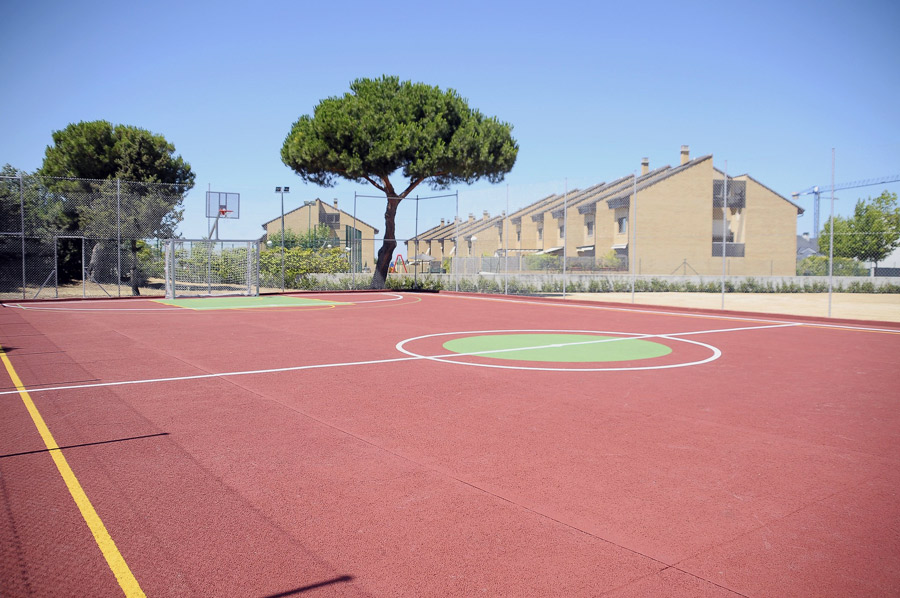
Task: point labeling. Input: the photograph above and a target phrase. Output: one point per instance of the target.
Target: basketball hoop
(219, 206)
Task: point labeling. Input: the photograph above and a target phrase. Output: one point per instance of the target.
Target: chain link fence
(88, 238)
(84, 238)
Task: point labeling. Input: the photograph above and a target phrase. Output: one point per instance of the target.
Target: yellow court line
(111, 553)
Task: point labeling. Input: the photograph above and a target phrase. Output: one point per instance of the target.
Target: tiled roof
(647, 181)
(318, 203)
(516, 217)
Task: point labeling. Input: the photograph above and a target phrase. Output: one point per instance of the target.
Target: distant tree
(100, 150)
(301, 264)
(817, 265)
(384, 125)
(44, 215)
(10, 200)
(316, 238)
(870, 235)
(43, 212)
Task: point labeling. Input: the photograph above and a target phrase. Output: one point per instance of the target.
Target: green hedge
(622, 285)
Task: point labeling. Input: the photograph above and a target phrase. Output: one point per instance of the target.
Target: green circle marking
(580, 348)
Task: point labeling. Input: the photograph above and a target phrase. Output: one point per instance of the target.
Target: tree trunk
(94, 265)
(383, 263)
(135, 279)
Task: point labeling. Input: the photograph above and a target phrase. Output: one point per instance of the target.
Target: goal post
(203, 267)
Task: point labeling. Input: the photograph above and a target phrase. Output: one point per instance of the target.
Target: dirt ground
(850, 306)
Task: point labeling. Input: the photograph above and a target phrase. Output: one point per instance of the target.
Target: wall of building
(308, 217)
(675, 220)
(770, 234)
(674, 223)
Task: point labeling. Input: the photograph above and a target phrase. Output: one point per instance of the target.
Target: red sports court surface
(345, 447)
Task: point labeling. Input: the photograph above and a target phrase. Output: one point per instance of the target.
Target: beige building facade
(665, 221)
(354, 235)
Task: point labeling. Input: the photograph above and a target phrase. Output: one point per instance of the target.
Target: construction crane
(818, 190)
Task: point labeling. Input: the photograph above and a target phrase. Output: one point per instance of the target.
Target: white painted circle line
(448, 358)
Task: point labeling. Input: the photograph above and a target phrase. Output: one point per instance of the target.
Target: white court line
(818, 324)
(444, 358)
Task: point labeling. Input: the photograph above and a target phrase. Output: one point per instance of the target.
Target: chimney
(335, 203)
(806, 236)
(442, 222)
(645, 166)
(485, 216)
(471, 217)
(685, 154)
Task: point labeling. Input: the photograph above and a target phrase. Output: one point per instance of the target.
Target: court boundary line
(777, 318)
(114, 559)
(178, 308)
(298, 368)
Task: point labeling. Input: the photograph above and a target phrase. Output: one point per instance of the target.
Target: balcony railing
(731, 249)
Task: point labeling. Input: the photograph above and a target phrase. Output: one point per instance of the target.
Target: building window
(622, 224)
(562, 232)
(540, 232)
(518, 235)
(590, 228)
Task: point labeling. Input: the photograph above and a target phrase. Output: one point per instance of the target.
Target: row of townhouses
(663, 221)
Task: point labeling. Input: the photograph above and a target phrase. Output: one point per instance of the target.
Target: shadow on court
(71, 446)
(309, 588)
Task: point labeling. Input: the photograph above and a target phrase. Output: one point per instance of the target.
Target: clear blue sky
(590, 88)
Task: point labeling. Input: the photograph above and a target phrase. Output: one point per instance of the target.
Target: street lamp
(282, 192)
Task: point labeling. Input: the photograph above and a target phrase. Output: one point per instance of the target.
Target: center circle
(685, 352)
(557, 348)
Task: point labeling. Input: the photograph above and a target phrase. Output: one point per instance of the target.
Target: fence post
(22, 218)
(118, 238)
(506, 245)
(456, 243)
(355, 254)
(416, 254)
(831, 239)
(565, 238)
(55, 267)
(632, 251)
(724, 230)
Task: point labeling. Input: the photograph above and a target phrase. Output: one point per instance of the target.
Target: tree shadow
(70, 446)
(328, 582)
(43, 385)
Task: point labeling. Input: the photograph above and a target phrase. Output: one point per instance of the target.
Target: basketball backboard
(223, 205)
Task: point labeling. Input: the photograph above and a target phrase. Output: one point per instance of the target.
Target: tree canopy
(383, 126)
(98, 152)
(870, 234)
